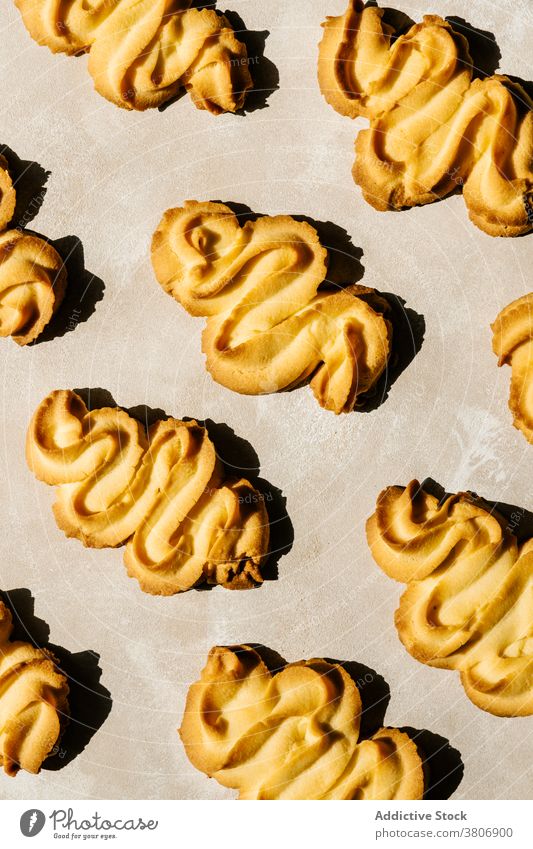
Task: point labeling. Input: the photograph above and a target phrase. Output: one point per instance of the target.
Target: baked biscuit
(468, 603)
(433, 130)
(512, 342)
(269, 325)
(7, 194)
(33, 701)
(33, 280)
(292, 734)
(162, 492)
(143, 52)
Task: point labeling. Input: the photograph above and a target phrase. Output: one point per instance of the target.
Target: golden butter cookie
(33, 280)
(293, 733)
(162, 492)
(468, 603)
(512, 342)
(33, 701)
(269, 325)
(143, 52)
(8, 196)
(433, 129)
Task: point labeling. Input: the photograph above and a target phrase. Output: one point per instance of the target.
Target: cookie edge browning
(415, 778)
(168, 270)
(479, 697)
(348, 106)
(245, 653)
(8, 198)
(243, 67)
(58, 283)
(490, 703)
(30, 12)
(62, 708)
(487, 223)
(501, 323)
(484, 220)
(385, 557)
(248, 578)
(165, 261)
(74, 47)
(340, 103)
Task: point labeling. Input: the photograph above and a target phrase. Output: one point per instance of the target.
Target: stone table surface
(104, 176)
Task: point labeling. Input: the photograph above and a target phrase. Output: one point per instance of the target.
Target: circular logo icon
(32, 822)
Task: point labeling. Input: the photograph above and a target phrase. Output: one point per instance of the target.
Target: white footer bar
(257, 825)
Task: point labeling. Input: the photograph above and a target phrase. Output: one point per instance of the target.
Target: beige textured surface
(112, 175)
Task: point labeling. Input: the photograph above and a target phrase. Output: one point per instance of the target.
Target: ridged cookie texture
(269, 325)
(433, 129)
(143, 52)
(469, 599)
(512, 342)
(33, 701)
(162, 492)
(33, 280)
(8, 195)
(292, 734)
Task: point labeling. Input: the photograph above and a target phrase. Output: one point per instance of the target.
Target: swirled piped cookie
(269, 325)
(293, 733)
(469, 599)
(33, 701)
(143, 52)
(433, 129)
(7, 194)
(162, 492)
(512, 342)
(33, 279)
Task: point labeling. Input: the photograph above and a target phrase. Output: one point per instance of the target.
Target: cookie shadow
(373, 689)
(486, 56)
(84, 290)
(519, 520)
(482, 46)
(344, 258)
(29, 181)
(408, 331)
(527, 85)
(374, 692)
(90, 702)
(443, 765)
(240, 459)
(264, 74)
(398, 20)
(344, 269)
